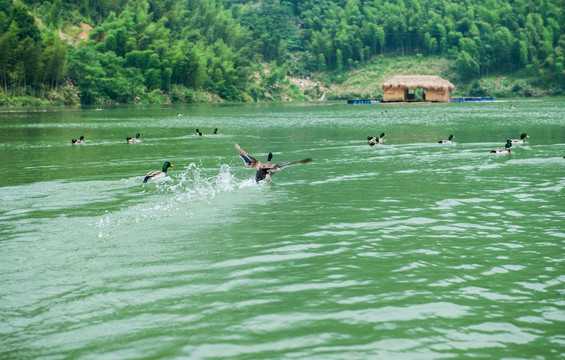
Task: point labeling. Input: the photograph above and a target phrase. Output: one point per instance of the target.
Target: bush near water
(162, 51)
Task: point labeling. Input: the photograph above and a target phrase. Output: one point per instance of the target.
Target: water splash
(180, 195)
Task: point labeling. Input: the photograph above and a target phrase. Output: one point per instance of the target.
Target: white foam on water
(181, 195)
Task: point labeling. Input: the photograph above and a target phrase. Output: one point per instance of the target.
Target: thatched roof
(417, 81)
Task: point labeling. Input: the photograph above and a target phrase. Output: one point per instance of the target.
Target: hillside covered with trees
(153, 51)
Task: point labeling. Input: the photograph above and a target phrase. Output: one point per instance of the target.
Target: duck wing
(152, 174)
(249, 160)
(283, 165)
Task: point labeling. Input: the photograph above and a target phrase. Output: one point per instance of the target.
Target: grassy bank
(364, 83)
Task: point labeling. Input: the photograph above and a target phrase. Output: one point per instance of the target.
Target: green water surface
(408, 250)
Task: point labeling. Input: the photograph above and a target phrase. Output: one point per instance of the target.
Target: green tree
(8, 42)
(467, 67)
(166, 76)
(503, 41)
(104, 77)
(55, 13)
(25, 23)
(53, 61)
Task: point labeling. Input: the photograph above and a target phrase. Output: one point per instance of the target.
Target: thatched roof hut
(417, 88)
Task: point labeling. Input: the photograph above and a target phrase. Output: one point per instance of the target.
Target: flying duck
(264, 171)
(79, 141)
(506, 149)
(448, 141)
(154, 175)
(376, 140)
(197, 133)
(135, 140)
(521, 140)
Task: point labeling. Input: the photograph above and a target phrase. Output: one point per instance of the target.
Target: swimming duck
(521, 140)
(264, 171)
(376, 140)
(79, 141)
(448, 141)
(179, 114)
(154, 175)
(506, 149)
(197, 133)
(135, 140)
(215, 131)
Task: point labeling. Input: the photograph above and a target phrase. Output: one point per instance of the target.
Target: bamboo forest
(164, 51)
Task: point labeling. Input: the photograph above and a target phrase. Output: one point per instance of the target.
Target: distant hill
(233, 50)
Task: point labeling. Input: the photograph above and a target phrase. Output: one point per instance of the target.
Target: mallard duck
(376, 140)
(448, 141)
(264, 171)
(154, 175)
(197, 133)
(521, 140)
(135, 140)
(215, 132)
(79, 141)
(179, 114)
(506, 149)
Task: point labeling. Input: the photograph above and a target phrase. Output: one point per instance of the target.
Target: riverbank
(361, 83)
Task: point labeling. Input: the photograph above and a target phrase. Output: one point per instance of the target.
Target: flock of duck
(378, 140)
(265, 171)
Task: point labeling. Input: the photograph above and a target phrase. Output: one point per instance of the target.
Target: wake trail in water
(182, 195)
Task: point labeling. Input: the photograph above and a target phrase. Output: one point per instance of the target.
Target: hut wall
(439, 95)
(393, 94)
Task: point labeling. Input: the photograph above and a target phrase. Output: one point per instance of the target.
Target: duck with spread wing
(266, 170)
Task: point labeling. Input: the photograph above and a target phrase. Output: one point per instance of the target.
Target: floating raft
(363, 102)
(473, 99)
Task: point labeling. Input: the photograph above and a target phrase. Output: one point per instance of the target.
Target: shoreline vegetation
(362, 83)
(59, 52)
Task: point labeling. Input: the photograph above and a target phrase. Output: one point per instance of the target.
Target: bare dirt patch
(75, 34)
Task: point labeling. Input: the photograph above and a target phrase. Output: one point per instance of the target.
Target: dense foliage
(480, 36)
(241, 50)
(29, 63)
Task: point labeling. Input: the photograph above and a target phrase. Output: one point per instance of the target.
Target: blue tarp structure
(355, 102)
(472, 99)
